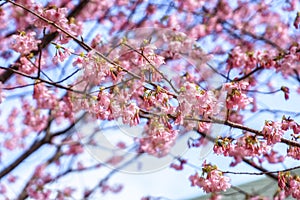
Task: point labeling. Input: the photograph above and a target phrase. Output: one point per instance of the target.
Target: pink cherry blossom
(44, 97)
(236, 98)
(213, 181)
(294, 152)
(130, 115)
(289, 184)
(273, 132)
(61, 54)
(245, 146)
(24, 43)
(159, 139)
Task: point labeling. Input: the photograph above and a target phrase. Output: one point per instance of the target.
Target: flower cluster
(24, 43)
(59, 16)
(247, 61)
(196, 102)
(158, 140)
(294, 152)
(212, 179)
(247, 145)
(34, 118)
(130, 115)
(290, 184)
(288, 123)
(27, 67)
(44, 97)
(272, 132)
(61, 54)
(96, 69)
(236, 97)
(157, 100)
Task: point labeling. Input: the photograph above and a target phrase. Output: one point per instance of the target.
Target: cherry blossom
(245, 146)
(169, 68)
(294, 152)
(273, 132)
(159, 139)
(290, 184)
(236, 98)
(44, 97)
(212, 181)
(130, 115)
(24, 43)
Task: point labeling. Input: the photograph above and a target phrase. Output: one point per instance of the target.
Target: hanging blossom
(26, 66)
(247, 145)
(33, 117)
(59, 16)
(103, 105)
(287, 64)
(195, 102)
(144, 61)
(130, 114)
(179, 166)
(236, 98)
(159, 139)
(273, 157)
(96, 69)
(178, 42)
(61, 54)
(148, 51)
(158, 100)
(44, 97)
(294, 152)
(24, 43)
(212, 180)
(272, 132)
(288, 123)
(290, 184)
(248, 61)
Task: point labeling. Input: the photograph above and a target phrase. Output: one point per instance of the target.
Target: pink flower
(159, 139)
(290, 184)
(35, 120)
(214, 181)
(130, 115)
(24, 43)
(273, 132)
(247, 145)
(61, 54)
(294, 152)
(44, 97)
(236, 98)
(288, 123)
(78, 61)
(194, 101)
(26, 66)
